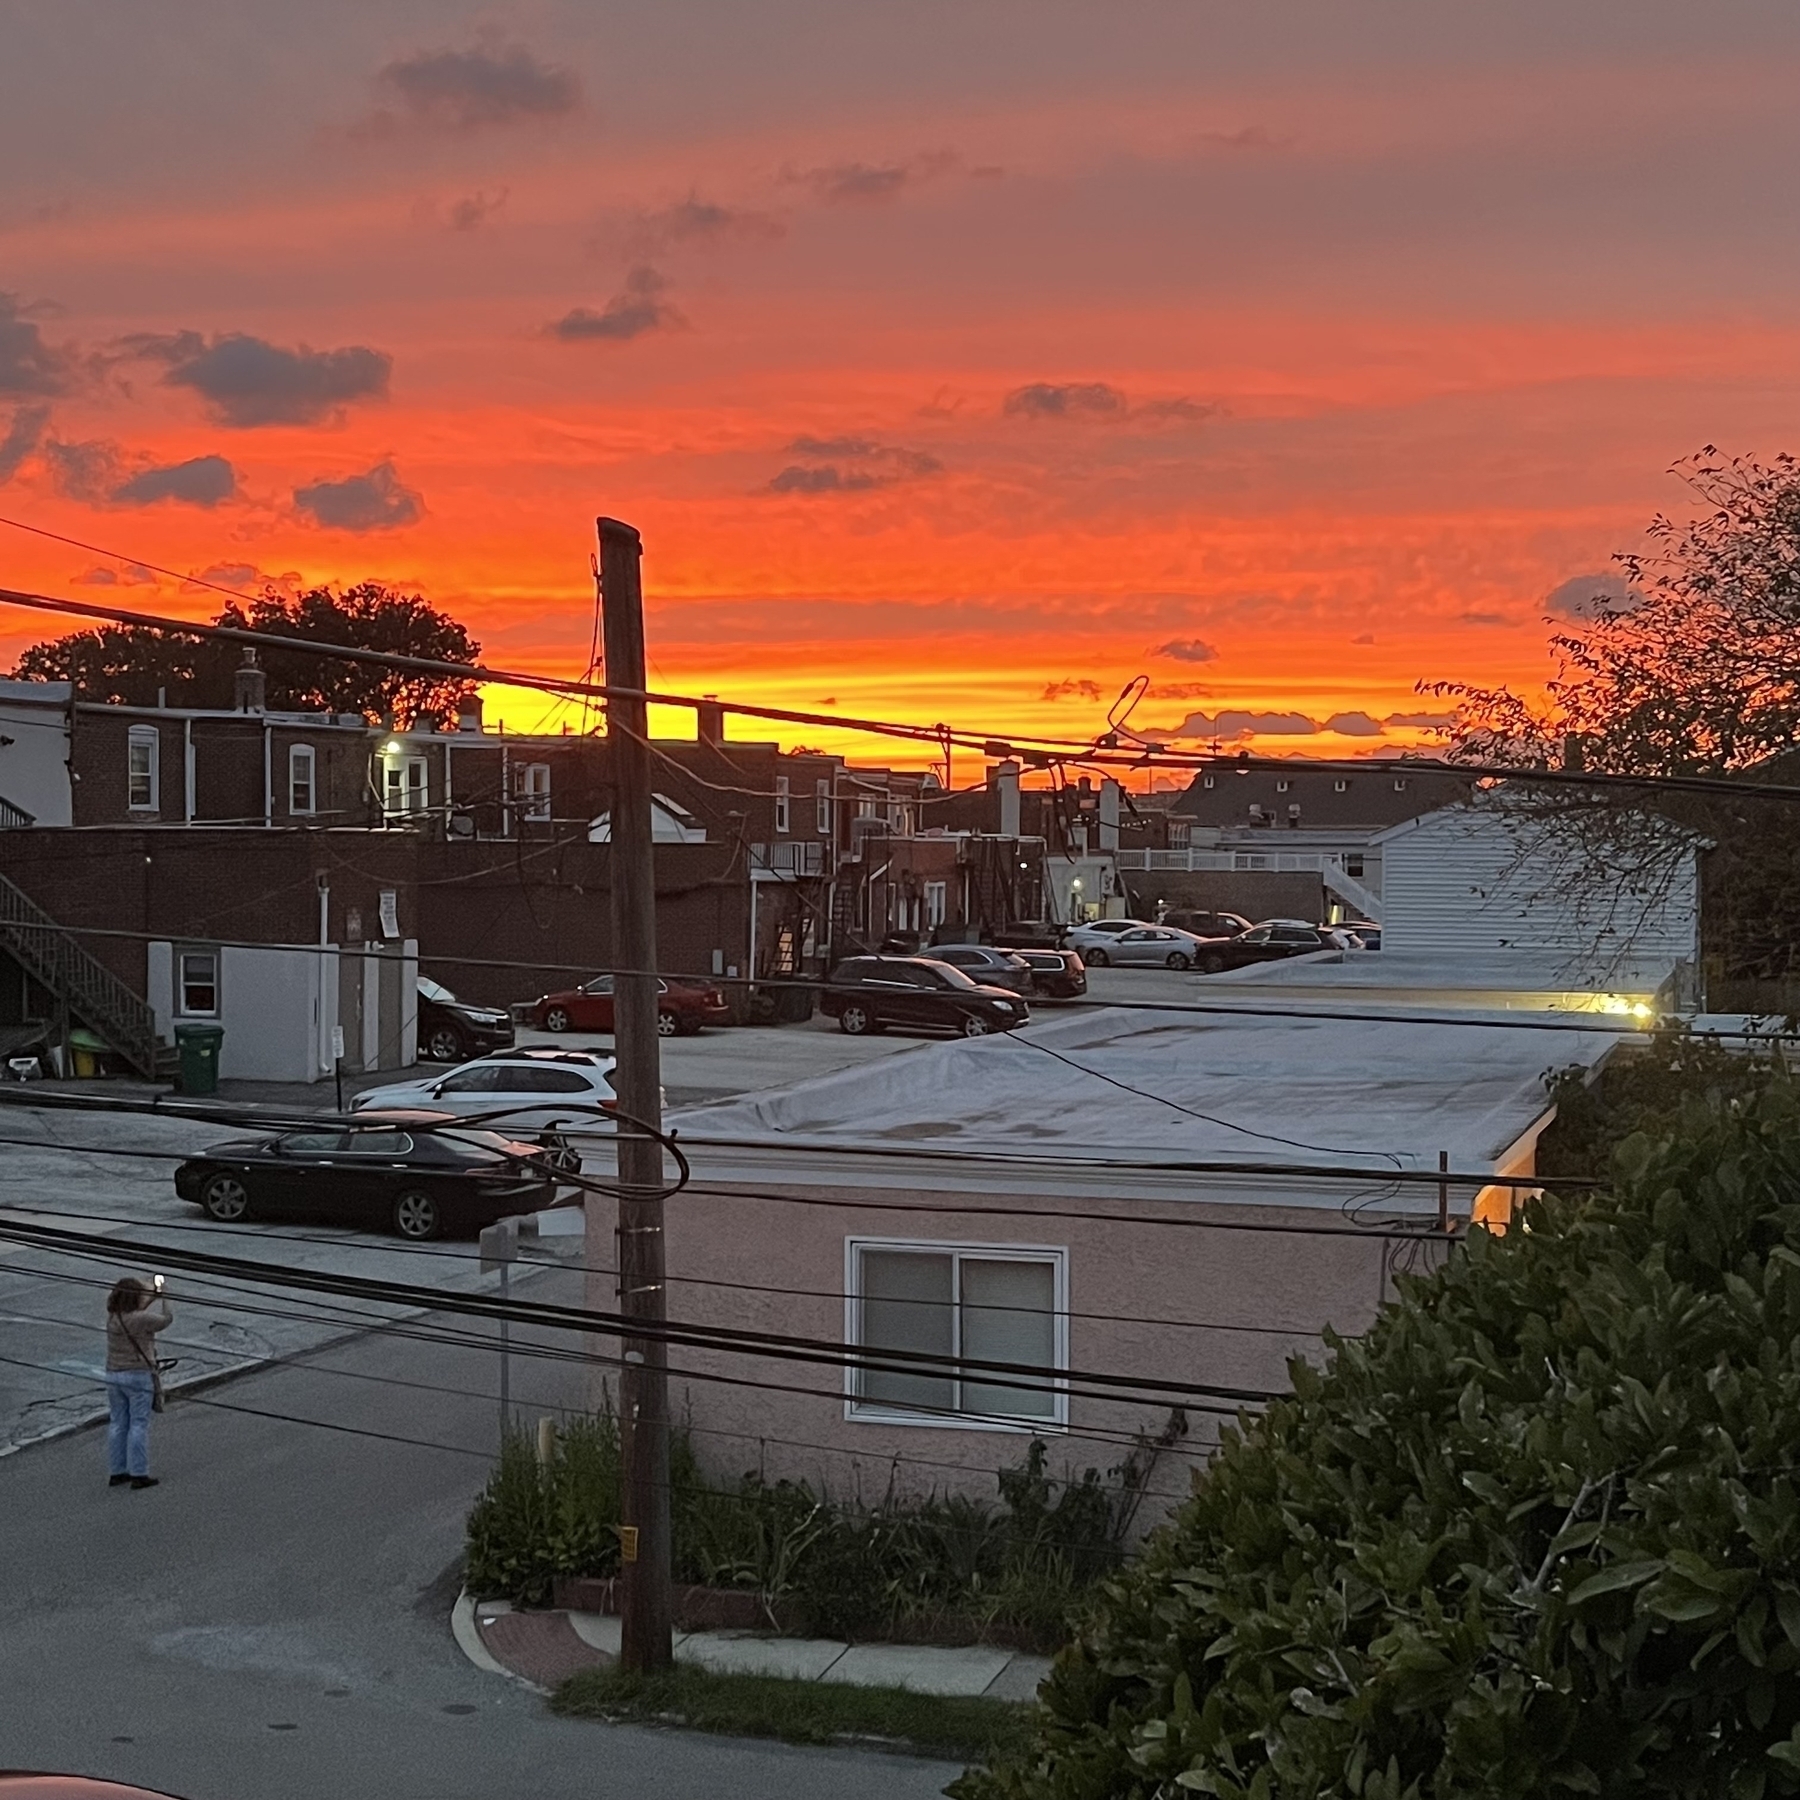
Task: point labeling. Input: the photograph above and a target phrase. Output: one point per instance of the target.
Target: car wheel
(416, 1216)
(667, 1024)
(856, 1021)
(1211, 963)
(563, 1157)
(1179, 959)
(1096, 958)
(557, 1019)
(445, 1044)
(225, 1199)
(974, 1025)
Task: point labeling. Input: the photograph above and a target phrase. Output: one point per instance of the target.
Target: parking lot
(109, 1176)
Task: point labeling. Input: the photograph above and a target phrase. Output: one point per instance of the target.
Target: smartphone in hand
(157, 1281)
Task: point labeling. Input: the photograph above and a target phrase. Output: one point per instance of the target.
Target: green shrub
(921, 1565)
(1536, 1534)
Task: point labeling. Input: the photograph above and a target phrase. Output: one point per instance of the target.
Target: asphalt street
(271, 1623)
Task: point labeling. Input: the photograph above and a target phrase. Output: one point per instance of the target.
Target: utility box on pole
(646, 1612)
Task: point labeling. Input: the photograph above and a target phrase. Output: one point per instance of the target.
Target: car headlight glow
(1002, 1006)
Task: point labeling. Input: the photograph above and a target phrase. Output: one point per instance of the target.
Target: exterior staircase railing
(92, 992)
(14, 818)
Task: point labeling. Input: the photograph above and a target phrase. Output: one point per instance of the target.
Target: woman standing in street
(135, 1313)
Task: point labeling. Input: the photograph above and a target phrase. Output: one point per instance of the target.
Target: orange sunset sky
(958, 361)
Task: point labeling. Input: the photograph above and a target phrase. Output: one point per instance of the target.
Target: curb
(468, 1640)
(173, 1389)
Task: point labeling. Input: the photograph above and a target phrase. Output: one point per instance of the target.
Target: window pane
(199, 984)
(1008, 1315)
(472, 1081)
(906, 1305)
(377, 1143)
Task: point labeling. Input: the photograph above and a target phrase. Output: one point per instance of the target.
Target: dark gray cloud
(1483, 618)
(23, 435)
(377, 501)
(872, 184)
(247, 381)
(466, 90)
(1353, 724)
(1064, 400)
(1585, 597)
(850, 465)
(87, 472)
(1230, 724)
(200, 481)
(1188, 650)
(474, 210)
(245, 577)
(637, 308)
(1420, 721)
(98, 474)
(1071, 689)
(128, 575)
(1101, 400)
(697, 221)
(29, 367)
(1364, 639)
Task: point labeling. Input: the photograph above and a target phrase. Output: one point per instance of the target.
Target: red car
(681, 1009)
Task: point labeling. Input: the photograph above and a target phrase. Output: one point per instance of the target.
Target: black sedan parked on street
(870, 993)
(391, 1170)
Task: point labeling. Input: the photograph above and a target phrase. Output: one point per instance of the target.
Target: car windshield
(431, 990)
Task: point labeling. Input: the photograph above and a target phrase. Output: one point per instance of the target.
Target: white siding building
(34, 752)
(1483, 878)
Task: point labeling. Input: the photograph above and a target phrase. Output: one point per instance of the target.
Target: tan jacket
(131, 1337)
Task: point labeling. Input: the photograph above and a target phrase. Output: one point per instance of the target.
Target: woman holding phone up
(135, 1313)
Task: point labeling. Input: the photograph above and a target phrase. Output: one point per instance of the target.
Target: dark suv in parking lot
(870, 993)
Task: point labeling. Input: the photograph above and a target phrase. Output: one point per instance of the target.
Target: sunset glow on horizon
(957, 363)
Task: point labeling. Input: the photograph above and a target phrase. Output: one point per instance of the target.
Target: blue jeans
(128, 1396)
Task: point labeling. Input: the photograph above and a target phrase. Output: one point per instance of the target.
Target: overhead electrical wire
(779, 1347)
(939, 736)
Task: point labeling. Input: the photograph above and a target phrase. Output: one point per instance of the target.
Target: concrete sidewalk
(546, 1648)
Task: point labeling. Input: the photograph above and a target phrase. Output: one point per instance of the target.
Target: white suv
(525, 1090)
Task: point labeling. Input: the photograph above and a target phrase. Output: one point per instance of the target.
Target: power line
(776, 1347)
(307, 1360)
(1014, 744)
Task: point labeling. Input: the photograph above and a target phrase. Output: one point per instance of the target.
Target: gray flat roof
(1138, 1090)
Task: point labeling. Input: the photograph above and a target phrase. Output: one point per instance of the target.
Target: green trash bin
(199, 1049)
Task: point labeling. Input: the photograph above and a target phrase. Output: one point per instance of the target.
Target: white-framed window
(1342, 787)
(1399, 784)
(143, 755)
(781, 804)
(403, 788)
(1207, 781)
(532, 781)
(822, 807)
(303, 793)
(937, 902)
(197, 984)
(1004, 1303)
(1281, 787)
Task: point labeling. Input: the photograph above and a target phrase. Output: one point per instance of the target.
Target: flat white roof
(1140, 1090)
(1538, 980)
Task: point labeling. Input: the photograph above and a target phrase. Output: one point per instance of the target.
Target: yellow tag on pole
(628, 1543)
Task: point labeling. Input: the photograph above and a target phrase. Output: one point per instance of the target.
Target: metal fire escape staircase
(93, 994)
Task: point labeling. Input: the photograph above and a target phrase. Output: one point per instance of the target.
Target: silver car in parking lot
(1145, 946)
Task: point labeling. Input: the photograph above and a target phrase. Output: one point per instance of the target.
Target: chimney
(1006, 784)
(709, 720)
(1109, 815)
(250, 686)
(468, 715)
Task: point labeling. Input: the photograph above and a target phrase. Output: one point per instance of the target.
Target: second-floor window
(822, 805)
(533, 783)
(781, 803)
(403, 787)
(937, 902)
(141, 755)
(302, 795)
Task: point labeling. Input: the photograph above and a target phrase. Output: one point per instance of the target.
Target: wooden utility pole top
(647, 1607)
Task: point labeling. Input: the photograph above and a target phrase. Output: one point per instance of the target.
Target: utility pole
(644, 1551)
